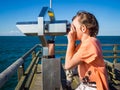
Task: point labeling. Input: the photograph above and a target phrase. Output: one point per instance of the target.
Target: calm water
(13, 47)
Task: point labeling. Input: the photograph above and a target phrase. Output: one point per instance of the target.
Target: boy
(87, 56)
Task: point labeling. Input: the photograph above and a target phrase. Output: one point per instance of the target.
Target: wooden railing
(112, 53)
(24, 76)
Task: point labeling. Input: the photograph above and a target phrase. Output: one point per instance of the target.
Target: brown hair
(90, 21)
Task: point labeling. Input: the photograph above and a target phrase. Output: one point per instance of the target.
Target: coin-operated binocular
(44, 28)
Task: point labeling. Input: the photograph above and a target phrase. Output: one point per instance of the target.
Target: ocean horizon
(13, 47)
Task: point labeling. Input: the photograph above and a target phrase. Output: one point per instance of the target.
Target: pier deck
(37, 79)
(36, 83)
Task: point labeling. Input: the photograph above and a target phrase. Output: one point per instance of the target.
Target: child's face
(76, 24)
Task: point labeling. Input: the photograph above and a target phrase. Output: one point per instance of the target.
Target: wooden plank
(37, 80)
(117, 66)
(27, 85)
(21, 83)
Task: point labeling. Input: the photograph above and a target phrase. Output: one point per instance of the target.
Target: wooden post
(115, 53)
(20, 71)
(33, 54)
(115, 60)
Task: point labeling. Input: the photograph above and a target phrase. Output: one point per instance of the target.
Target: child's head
(90, 21)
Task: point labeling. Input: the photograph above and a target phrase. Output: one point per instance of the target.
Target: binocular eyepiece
(68, 28)
(57, 27)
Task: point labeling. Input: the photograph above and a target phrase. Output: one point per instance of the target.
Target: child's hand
(72, 34)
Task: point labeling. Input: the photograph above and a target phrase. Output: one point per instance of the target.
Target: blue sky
(107, 13)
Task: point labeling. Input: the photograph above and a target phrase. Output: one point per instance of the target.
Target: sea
(13, 47)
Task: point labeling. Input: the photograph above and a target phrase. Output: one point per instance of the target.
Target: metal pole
(51, 51)
(50, 3)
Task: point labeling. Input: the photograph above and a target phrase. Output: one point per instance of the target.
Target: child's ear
(83, 28)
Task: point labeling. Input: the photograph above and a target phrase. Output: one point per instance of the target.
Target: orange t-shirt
(92, 61)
